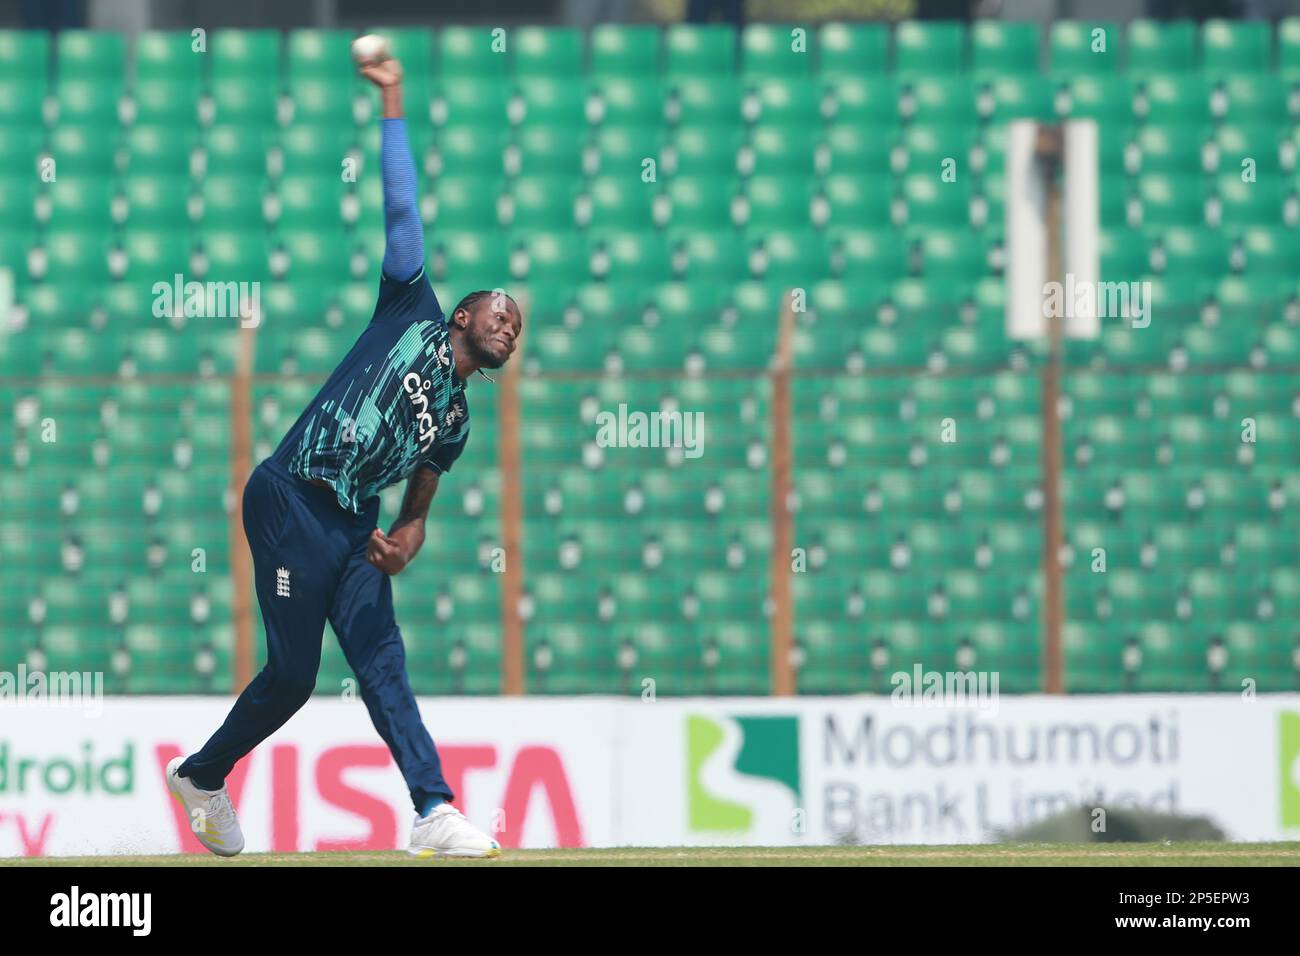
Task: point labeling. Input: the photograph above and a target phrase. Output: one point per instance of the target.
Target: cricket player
(394, 409)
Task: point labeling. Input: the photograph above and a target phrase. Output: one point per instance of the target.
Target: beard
(485, 352)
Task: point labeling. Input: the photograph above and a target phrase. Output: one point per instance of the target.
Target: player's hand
(385, 74)
(385, 553)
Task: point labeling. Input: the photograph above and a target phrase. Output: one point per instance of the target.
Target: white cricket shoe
(219, 830)
(446, 832)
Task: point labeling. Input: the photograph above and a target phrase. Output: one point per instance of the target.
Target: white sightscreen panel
(1026, 255)
(1082, 203)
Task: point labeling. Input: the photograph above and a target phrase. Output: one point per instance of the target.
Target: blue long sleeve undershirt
(404, 252)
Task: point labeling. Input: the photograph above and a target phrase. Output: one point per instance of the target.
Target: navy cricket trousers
(309, 565)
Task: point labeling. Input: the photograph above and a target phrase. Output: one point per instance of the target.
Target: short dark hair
(474, 298)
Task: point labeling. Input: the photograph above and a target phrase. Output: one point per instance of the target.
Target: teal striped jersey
(393, 405)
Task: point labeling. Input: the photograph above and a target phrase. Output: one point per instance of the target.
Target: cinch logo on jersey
(103, 909)
(1288, 771)
(742, 775)
(420, 402)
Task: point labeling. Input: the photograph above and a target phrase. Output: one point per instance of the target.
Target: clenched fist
(387, 554)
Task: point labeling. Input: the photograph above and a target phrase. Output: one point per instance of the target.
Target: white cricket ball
(369, 49)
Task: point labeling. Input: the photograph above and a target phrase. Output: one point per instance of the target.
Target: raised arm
(404, 251)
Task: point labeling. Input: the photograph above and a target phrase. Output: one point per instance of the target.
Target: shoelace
(220, 811)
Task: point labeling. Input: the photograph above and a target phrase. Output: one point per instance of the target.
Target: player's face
(494, 326)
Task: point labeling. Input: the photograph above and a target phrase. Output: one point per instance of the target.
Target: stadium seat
(922, 48)
(1004, 48)
(1156, 46)
(623, 51)
(1084, 48)
(1236, 47)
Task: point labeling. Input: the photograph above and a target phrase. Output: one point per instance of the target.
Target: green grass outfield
(998, 854)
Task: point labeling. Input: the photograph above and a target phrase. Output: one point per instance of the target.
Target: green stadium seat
(629, 257)
(155, 200)
(1288, 47)
(719, 256)
(1171, 149)
(622, 52)
(166, 57)
(554, 53)
(1191, 252)
(468, 202)
(322, 100)
(90, 55)
(1084, 48)
(461, 100)
(630, 101)
(234, 255)
(234, 149)
(240, 99)
(325, 53)
(560, 257)
(700, 101)
(83, 149)
(158, 253)
(778, 202)
(1236, 47)
(1003, 49)
(775, 50)
(1155, 46)
(789, 105)
(172, 102)
(232, 202)
(1270, 251)
(21, 102)
(939, 100)
(554, 103)
(469, 53)
(1104, 98)
(82, 201)
(853, 49)
(703, 150)
(542, 202)
(871, 100)
(616, 202)
(317, 254)
(954, 256)
(1172, 99)
(929, 48)
(1020, 97)
(855, 204)
(931, 202)
(699, 51)
(1255, 99)
(544, 151)
(89, 101)
(81, 252)
(251, 56)
(884, 254)
(849, 148)
(309, 201)
(1240, 203)
(24, 54)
